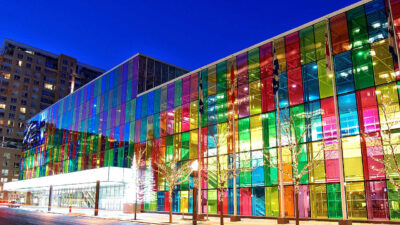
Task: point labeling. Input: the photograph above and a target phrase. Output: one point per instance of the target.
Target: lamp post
(195, 168)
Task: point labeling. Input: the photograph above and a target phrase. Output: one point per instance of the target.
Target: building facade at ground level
(106, 121)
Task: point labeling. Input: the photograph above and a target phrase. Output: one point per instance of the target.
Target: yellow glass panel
(222, 138)
(356, 204)
(178, 120)
(177, 145)
(184, 201)
(256, 132)
(382, 62)
(255, 98)
(193, 144)
(280, 52)
(391, 146)
(194, 112)
(353, 167)
(325, 80)
(224, 167)
(317, 175)
(212, 80)
(318, 200)
(388, 103)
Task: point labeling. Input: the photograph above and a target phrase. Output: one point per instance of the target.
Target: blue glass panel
(258, 201)
(374, 6)
(348, 114)
(313, 121)
(144, 106)
(310, 82)
(344, 73)
(211, 109)
(283, 90)
(284, 124)
(176, 200)
(138, 107)
(377, 26)
(143, 130)
(257, 173)
(150, 103)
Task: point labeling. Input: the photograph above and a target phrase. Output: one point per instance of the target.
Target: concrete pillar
(50, 196)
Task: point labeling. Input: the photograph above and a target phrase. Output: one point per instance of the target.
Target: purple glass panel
(125, 71)
(186, 90)
(243, 101)
(170, 96)
(122, 114)
(123, 93)
(242, 72)
(135, 71)
(113, 117)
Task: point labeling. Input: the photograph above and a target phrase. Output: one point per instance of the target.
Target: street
(14, 216)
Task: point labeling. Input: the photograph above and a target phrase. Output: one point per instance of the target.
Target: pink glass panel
(295, 86)
(186, 90)
(331, 161)
(185, 117)
(372, 148)
(304, 201)
(328, 118)
(242, 72)
(368, 110)
(266, 60)
(377, 200)
(194, 84)
(170, 122)
(267, 95)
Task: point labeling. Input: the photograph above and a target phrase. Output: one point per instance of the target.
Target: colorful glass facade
(105, 122)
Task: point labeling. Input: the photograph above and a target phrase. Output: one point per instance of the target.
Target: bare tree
(225, 171)
(138, 179)
(174, 173)
(293, 140)
(383, 146)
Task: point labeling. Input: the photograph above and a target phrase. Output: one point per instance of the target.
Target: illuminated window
(7, 76)
(48, 86)
(19, 63)
(2, 106)
(22, 110)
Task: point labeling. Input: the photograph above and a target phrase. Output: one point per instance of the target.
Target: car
(14, 204)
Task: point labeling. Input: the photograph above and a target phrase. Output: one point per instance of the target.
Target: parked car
(14, 204)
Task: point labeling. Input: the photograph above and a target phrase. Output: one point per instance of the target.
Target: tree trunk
(135, 208)
(221, 201)
(297, 204)
(170, 206)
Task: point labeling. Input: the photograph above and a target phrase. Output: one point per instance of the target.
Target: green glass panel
(212, 172)
(170, 148)
(212, 201)
(271, 201)
(144, 106)
(221, 107)
(244, 134)
(253, 65)
(302, 160)
(357, 25)
(185, 146)
(121, 157)
(221, 76)
(270, 172)
(178, 93)
(298, 129)
(325, 81)
(362, 68)
(307, 45)
(394, 201)
(319, 31)
(334, 201)
(269, 129)
(245, 163)
(185, 184)
(163, 98)
(132, 131)
(156, 125)
(157, 97)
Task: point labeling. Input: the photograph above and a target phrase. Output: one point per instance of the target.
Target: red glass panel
(185, 117)
(225, 201)
(245, 201)
(371, 146)
(266, 60)
(377, 200)
(292, 51)
(295, 86)
(368, 110)
(331, 161)
(170, 122)
(166, 201)
(203, 160)
(267, 95)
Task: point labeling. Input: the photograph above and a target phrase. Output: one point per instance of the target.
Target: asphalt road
(14, 216)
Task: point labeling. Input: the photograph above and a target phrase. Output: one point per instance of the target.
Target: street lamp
(195, 168)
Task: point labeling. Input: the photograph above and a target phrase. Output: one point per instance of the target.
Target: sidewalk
(158, 218)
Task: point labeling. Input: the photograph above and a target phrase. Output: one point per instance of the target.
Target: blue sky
(187, 33)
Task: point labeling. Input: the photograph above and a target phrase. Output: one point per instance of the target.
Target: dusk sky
(187, 33)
